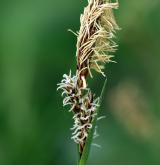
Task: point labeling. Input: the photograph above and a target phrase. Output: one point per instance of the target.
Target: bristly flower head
(94, 48)
(95, 42)
(82, 104)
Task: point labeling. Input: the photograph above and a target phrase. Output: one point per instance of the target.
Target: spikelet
(95, 43)
(82, 104)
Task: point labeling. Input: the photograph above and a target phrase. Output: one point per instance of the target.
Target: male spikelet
(94, 45)
(95, 37)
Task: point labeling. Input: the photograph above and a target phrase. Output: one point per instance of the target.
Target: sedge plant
(95, 48)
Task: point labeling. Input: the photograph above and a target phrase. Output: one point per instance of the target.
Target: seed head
(95, 46)
(82, 104)
(95, 43)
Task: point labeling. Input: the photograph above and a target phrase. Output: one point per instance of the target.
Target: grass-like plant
(95, 46)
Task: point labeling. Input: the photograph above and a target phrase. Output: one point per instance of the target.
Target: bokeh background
(36, 50)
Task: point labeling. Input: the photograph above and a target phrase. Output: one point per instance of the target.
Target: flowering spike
(95, 42)
(94, 48)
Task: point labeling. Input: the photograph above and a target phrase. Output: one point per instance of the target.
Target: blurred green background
(36, 50)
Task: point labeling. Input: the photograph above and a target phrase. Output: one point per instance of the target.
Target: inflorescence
(94, 48)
